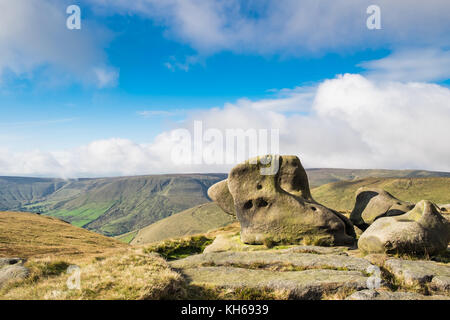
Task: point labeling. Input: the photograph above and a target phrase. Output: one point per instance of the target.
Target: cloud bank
(428, 64)
(291, 27)
(349, 122)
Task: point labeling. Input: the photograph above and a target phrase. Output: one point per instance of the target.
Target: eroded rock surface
(388, 295)
(276, 205)
(421, 231)
(372, 204)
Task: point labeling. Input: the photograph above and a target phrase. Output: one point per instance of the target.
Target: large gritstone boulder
(421, 231)
(273, 204)
(372, 204)
(291, 178)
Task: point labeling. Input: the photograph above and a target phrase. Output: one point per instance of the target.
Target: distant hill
(117, 206)
(341, 195)
(111, 206)
(318, 177)
(17, 191)
(28, 235)
(199, 219)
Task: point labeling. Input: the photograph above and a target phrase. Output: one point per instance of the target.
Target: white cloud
(106, 78)
(158, 113)
(291, 27)
(174, 64)
(34, 36)
(411, 65)
(350, 121)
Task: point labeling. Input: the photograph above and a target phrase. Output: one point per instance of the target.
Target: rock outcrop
(372, 204)
(273, 203)
(421, 231)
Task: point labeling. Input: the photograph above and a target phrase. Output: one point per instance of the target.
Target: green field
(127, 237)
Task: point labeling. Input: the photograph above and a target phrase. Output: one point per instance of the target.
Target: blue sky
(135, 71)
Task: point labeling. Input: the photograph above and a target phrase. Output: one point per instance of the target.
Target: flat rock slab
(433, 275)
(308, 284)
(232, 242)
(287, 259)
(387, 295)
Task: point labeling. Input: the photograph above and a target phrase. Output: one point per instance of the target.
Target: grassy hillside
(341, 195)
(109, 269)
(16, 191)
(318, 177)
(28, 235)
(196, 220)
(111, 206)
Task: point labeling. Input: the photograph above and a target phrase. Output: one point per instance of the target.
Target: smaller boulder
(372, 204)
(220, 194)
(421, 231)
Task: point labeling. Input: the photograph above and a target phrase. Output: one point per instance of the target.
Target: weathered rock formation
(372, 204)
(273, 202)
(423, 230)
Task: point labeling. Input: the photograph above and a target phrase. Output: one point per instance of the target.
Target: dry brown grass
(110, 269)
(29, 235)
(128, 275)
